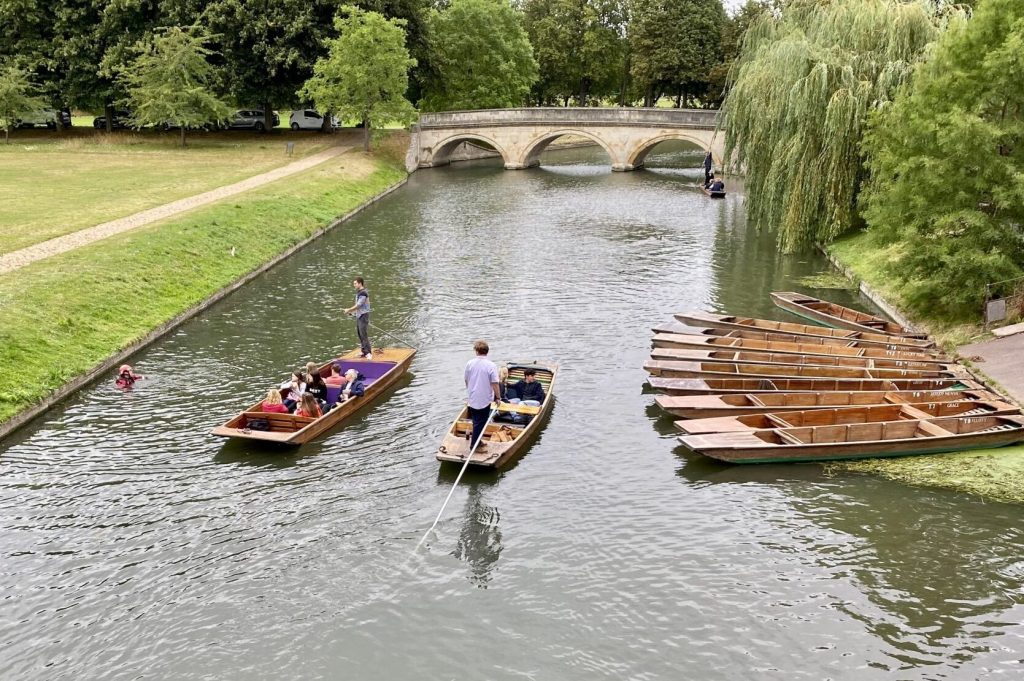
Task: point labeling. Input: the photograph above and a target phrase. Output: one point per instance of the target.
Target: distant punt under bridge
(520, 136)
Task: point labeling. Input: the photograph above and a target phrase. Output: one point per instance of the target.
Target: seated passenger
(126, 376)
(308, 407)
(709, 180)
(507, 393)
(272, 402)
(354, 387)
(530, 392)
(718, 186)
(296, 386)
(335, 380)
(316, 387)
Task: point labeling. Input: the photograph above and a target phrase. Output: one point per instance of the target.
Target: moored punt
(842, 415)
(860, 440)
(837, 316)
(672, 369)
(735, 341)
(713, 386)
(792, 330)
(387, 365)
(855, 339)
(739, 404)
(783, 359)
(503, 439)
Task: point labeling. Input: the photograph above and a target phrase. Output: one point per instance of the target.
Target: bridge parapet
(577, 116)
(521, 135)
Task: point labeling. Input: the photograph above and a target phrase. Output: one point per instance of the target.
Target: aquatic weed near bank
(66, 314)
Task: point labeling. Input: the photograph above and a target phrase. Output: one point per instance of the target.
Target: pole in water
(469, 456)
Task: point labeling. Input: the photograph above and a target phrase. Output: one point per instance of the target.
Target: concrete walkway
(1002, 359)
(20, 258)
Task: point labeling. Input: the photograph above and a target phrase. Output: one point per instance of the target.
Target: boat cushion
(369, 370)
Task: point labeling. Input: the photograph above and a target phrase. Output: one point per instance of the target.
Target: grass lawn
(51, 331)
(57, 183)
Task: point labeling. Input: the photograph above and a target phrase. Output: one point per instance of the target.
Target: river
(135, 545)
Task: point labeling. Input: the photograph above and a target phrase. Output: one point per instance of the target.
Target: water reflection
(479, 542)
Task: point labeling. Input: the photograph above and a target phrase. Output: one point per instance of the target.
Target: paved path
(1003, 360)
(17, 259)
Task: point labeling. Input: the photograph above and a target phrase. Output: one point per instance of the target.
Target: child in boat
(308, 407)
(296, 386)
(273, 403)
(354, 387)
(126, 377)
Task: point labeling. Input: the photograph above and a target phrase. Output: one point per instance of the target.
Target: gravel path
(20, 258)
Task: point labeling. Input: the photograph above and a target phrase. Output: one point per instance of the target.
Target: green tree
(579, 46)
(365, 73)
(168, 82)
(673, 46)
(733, 31)
(480, 55)
(947, 165)
(803, 85)
(18, 98)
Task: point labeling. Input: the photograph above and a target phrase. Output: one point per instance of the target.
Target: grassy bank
(996, 474)
(53, 184)
(62, 316)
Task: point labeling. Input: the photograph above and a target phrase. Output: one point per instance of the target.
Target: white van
(307, 119)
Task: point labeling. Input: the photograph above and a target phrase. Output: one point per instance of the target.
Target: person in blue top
(361, 311)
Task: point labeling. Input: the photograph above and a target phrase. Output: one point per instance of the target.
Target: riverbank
(996, 474)
(63, 317)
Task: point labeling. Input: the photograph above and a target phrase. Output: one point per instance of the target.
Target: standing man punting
(709, 163)
(361, 311)
(482, 388)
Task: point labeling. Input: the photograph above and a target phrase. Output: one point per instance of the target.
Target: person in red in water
(126, 376)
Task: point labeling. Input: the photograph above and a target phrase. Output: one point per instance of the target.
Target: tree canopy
(168, 82)
(18, 97)
(804, 84)
(480, 55)
(365, 73)
(947, 165)
(673, 46)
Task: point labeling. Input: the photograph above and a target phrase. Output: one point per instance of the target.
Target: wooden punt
(671, 369)
(504, 440)
(725, 386)
(792, 330)
(783, 359)
(839, 317)
(387, 365)
(860, 440)
(854, 340)
(737, 342)
(722, 405)
(712, 194)
(840, 415)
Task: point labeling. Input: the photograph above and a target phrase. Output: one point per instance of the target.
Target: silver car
(250, 119)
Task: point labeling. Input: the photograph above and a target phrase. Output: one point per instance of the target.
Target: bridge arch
(441, 153)
(536, 146)
(639, 153)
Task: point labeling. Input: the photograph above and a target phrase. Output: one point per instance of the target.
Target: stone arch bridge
(521, 135)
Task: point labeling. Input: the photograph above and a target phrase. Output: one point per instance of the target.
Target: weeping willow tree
(801, 89)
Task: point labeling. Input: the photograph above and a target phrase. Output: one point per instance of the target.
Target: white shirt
(480, 374)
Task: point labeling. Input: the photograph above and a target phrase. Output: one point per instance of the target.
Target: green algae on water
(994, 474)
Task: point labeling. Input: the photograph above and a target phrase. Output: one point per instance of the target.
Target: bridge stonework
(521, 135)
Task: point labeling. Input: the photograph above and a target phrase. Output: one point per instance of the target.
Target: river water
(135, 545)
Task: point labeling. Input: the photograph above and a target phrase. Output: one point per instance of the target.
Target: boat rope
(457, 479)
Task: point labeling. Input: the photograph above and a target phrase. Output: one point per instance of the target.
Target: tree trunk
(7, 133)
(108, 111)
(182, 136)
(625, 81)
(326, 125)
(649, 96)
(268, 117)
(366, 135)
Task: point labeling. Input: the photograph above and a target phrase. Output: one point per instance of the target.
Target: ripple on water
(134, 542)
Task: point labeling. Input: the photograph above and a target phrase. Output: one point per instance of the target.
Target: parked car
(251, 119)
(307, 119)
(120, 121)
(47, 118)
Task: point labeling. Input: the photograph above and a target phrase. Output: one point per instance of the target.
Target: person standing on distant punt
(361, 311)
(481, 377)
(709, 163)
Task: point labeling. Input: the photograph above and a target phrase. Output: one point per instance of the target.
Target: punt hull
(838, 316)
(761, 357)
(764, 343)
(718, 369)
(739, 386)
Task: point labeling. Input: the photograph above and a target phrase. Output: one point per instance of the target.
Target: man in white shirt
(481, 387)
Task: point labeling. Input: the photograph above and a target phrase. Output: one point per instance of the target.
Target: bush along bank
(63, 316)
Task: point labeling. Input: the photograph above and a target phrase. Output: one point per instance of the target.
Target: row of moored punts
(753, 390)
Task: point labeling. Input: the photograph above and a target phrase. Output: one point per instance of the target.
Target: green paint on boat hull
(916, 452)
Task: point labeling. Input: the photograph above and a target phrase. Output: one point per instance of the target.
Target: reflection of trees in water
(479, 541)
(941, 574)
